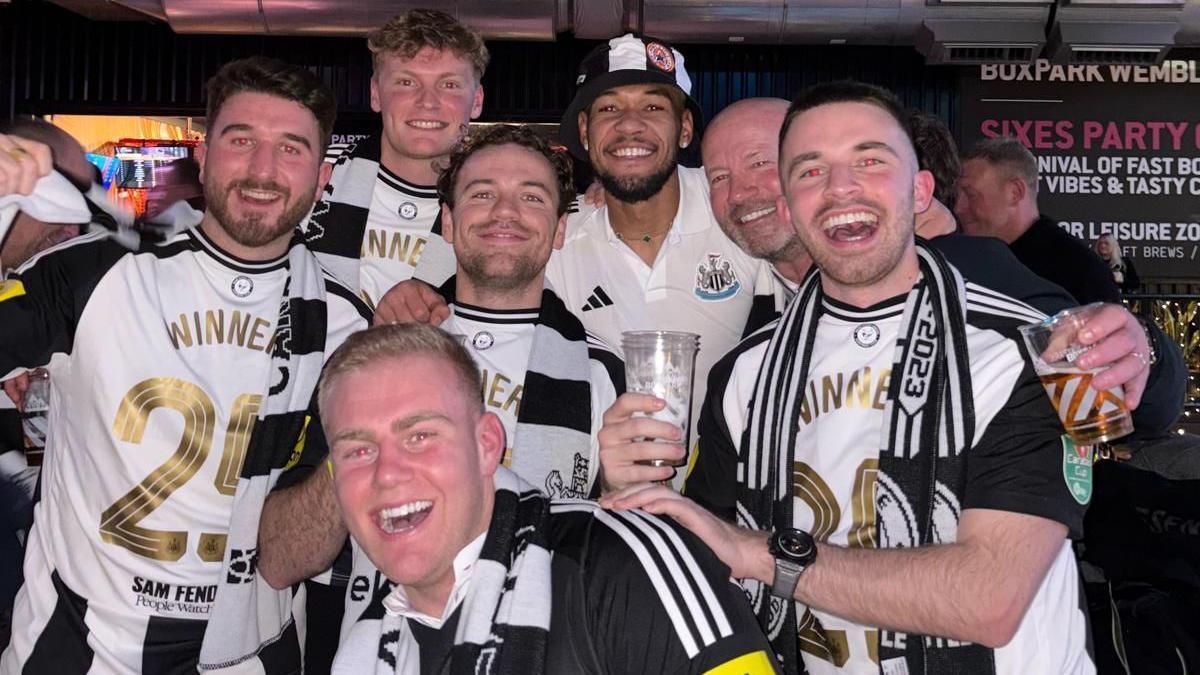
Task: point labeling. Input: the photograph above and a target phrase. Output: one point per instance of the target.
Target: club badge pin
(408, 210)
(483, 340)
(866, 335)
(661, 57)
(242, 286)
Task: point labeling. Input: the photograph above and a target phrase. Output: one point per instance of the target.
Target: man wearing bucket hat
(652, 256)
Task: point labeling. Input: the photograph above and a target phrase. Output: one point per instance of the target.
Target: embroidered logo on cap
(661, 57)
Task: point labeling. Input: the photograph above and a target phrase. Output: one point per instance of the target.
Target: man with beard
(652, 256)
(166, 357)
(374, 222)
(505, 195)
(741, 152)
(914, 523)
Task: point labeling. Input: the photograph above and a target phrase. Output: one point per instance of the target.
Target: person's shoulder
(599, 349)
(583, 220)
(91, 254)
(615, 547)
(747, 353)
(988, 307)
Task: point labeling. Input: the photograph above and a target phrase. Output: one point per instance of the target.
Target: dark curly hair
(504, 134)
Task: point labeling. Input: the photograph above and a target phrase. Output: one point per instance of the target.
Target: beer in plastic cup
(1089, 416)
(663, 363)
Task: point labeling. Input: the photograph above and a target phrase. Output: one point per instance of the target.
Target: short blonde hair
(406, 34)
(397, 341)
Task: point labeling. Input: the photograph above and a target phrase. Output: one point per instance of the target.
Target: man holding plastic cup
(902, 495)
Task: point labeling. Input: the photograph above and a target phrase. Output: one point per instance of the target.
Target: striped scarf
(252, 628)
(553, 440)
(504, 620)
(553, 444)
(335, 231)
(917, 494)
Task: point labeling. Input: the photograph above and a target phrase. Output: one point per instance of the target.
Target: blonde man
(381, 206)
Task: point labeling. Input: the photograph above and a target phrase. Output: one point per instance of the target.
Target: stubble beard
(634, 189)
(251, 230)
(520, 274)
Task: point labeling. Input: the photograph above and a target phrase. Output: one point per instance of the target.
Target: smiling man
(505, 195)
(741, 160)
(490, 575)
(652, 257)
(162, 359)
(915, 523)
(381, 207)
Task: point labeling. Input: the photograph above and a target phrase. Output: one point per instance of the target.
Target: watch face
(795, 544)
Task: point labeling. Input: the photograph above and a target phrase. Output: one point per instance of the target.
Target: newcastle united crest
(716, 279)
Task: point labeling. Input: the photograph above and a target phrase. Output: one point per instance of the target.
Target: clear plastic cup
(1089, 416)
(663, 363)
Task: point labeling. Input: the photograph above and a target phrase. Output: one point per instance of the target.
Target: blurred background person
(1123, 271)
(997, 197)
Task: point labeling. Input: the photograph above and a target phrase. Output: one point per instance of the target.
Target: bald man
(741, 154)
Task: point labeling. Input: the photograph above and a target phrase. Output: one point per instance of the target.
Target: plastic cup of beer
(663, 363)
(1089, 416)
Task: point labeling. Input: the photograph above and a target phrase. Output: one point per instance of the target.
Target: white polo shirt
(700, 283)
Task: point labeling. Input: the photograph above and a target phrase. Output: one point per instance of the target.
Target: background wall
(53, 61)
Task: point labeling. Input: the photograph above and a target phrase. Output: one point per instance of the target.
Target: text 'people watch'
(794, 550)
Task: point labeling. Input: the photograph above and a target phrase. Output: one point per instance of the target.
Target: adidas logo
(597, 299)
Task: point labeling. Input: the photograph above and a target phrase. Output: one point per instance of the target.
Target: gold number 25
(119, 522)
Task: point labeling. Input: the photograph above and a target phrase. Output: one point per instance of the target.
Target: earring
(585, 145)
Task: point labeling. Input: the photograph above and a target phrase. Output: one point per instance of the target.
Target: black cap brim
(568, 128)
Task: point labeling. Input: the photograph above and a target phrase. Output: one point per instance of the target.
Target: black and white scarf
(918, 493)
(554, 422)
(504, 620)
(252, 628)
(339, 221)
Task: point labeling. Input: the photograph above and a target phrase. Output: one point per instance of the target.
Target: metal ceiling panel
(961, 33)
(508, 20)
(750, 21)
(214, 16)
(1102, 31)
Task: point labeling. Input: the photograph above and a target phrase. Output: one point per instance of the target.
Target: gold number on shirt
(119, 524)
(808, 486)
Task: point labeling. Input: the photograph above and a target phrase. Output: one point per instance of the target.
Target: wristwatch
(794, 550)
